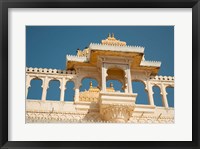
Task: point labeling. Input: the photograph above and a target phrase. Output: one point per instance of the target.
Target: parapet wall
(62, 112)
(30, 70)
(41, 110)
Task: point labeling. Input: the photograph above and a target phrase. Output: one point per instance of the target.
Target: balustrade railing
(63, 76)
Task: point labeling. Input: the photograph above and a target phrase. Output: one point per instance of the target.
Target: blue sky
(47, 47)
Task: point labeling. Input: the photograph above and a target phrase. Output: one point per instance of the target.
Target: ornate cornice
(97, 46)
(150, 63)
(77, 58)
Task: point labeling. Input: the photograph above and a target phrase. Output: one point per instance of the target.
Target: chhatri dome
(112, 47)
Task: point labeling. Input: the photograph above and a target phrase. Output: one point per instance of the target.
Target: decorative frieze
(95, 117)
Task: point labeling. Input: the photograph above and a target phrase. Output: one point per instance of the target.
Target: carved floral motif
(116, 112)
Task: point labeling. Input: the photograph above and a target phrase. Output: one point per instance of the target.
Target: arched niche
(115, 74)
(69, 92)
(139, 87)
(53, 92)
(157, 96)
(85, 83)
(35, 89)
(116, 84)
(116, 77)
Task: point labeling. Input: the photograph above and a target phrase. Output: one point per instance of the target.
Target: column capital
(28, 80)
(163, 88)
(77, 84)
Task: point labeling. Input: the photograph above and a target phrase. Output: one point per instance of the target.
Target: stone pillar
(62, 89)
(76, 99)
(164, 96)
(103, 74)
(45, 86)
(77, 86)
(28, 81)
(125, 86)
(150, 93)
(128, 74)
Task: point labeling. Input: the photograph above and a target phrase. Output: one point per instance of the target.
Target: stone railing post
(164, 96)
(45, 86)
(62, 89)
(150, 93)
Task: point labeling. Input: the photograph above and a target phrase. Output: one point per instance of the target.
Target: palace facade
(111, 59)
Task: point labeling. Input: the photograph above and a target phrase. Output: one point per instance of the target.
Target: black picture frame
(4, 86)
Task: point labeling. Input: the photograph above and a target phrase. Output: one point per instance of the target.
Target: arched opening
(115, 79)
(85, 84)
(69, 92)
(53, 92)
(157, 96)
(35, 90)
(115, 84)
(170, 96)
(139, 88)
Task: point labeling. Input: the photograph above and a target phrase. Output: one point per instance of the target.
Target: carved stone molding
(116, 112)
(122, 66)
(93, 117)
(116, 107)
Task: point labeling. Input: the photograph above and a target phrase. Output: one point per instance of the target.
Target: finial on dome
(111, 84)
(111, 40)
(90, 83)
